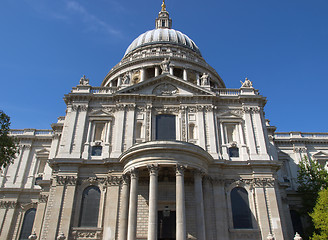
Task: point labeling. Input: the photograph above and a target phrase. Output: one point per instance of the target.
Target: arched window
(27, 224)
(241, 213)
(90, 207)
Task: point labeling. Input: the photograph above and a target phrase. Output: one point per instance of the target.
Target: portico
(171, 160)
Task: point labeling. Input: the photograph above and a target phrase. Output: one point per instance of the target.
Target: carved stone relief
(165, 89)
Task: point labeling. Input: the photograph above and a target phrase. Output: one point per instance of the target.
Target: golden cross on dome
(163, 6)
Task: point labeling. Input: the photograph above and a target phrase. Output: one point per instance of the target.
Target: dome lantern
(163, 20)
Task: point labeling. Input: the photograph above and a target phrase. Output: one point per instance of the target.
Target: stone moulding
(86, 233)
(166, 153)
(8, 204)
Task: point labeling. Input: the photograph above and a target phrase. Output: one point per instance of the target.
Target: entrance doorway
(166, 225)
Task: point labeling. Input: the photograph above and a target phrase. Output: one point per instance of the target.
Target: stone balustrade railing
(219, 91)
(103, 90)
(31, 132)
(227, 92)
(282, 135)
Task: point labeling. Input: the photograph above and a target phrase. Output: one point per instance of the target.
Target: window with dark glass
(27, 224)
(241, 213)
(90, 207)
(96, 150)
(233, 152)
(165, 127)
(297, 222)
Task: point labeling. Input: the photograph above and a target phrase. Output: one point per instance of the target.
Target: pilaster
(79, 131)
(211, 130)
(262, 208)
(201, 127)
(67, 206)
(198, 193)
(9, 207)
(250, 132)
(130, 120)
(111, 203)
(68, 130)
(40, 213)
(220, 207)
(118, 132)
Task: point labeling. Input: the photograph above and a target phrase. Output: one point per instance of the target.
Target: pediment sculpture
(165, 89)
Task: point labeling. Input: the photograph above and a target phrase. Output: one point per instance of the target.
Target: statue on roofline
(247, 83)
(84, 81)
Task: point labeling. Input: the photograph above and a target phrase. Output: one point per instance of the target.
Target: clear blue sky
(281, 45)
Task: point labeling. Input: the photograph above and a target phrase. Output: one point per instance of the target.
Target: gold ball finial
(163, 6)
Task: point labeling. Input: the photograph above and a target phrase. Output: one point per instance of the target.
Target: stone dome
(163, 36)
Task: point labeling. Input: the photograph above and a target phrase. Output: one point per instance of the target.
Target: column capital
(153, 169)
(198, 173)
(125, 179)
(134, 173)
(179, 169)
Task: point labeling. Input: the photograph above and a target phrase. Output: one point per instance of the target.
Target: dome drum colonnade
(143, 58)
(154, 156)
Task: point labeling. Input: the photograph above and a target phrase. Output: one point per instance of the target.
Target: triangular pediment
(320, 155)
(165, 85)
(42, 153)
(231, 114)
(100, 113)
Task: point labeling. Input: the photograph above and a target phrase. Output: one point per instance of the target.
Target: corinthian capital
(153, 169)
(179, 169)
(134, 173)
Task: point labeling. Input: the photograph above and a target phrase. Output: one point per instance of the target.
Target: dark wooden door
(166, 226)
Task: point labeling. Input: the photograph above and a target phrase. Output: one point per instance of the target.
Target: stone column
(200, 219)
(124, 209)
(119, 81)
(142, 75)
(171, 70)
(185, 74)
(156, 71)
(198, 79)
(153, 199)
(180, 204)
(133, 205)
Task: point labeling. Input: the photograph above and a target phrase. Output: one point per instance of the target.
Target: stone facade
(183, 179)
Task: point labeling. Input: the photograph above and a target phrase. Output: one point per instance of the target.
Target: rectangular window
(165, 127)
